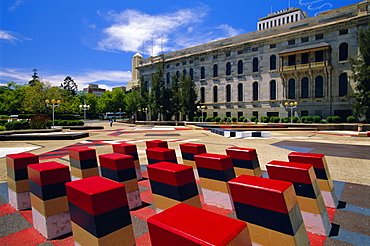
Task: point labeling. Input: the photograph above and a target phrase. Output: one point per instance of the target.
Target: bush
(351, 119)
(241, 119)
(254, 119)
(3, 122)
(322, 121)
(2, 128)
(295, 119)
(217, 119)
(234, 119)
(337, 119)
(224, 119)
(265, 119)
(285, 119)
(329, 119)
(201, 119)
(195, 119)
(245, 120)
(228, 119)
(80, 122)
(4, 116)
(275, 119)
(39, 121)
(317, 119)
(15, 125)
(209, 119)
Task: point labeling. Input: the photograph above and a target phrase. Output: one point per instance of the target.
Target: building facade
(290, 57)
(94, 89)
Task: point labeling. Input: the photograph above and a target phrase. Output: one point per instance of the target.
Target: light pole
(291, 106)
(145, 110)
(54, 103)
(202, 109)
(84, 108)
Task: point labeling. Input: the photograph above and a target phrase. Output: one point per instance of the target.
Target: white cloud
(134, 31)
(15, 5)
(106, 79)
(313, 5)
(6, 35)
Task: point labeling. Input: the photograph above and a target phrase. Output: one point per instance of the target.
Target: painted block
(308, 193)
(48, 173)
(19, 200)
(245, 158)
(82, 153)
(21, 160)
(194, 226)
(116, 161)
(84, 173)
(213, 161)
(270, 205)
(18, 186)
(49, 207)
(156, 144)
(188, 151)
(156, 155)
(52, 226)
(83, 164)
(162, 203)
(129, 149)
(323, 176)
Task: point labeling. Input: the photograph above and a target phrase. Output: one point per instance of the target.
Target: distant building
(94, 89)
(123, 88)
(135, 74)
(290, 57)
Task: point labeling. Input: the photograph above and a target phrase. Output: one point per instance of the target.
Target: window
(240, 92)
(272, 90)
(343, 84)
(240, 114)
(255, 65)
(184, 63)
(215, 56)
(178, 74)
(273, 62)
(228, 69)
(191, 72)
(290, 42)
(240, 52)
(319, 56)
(228, 114)
(304, 113)
(168, 78)
(177, 64)
(319, 86)
(202, 59)
(202, 95)
(343, 52)
(215, 70)
(304, 87)
(304, 58)
(202, 73)
(240, 67)
(343, 32)
(215, 114)
(255, 49)
(215, 94)
(291, 60)
(228, 53)
(184, 72)
(272, 46)
(319, 36)
(228, 93)
(304, 40)
(255, 91)
(291, 89)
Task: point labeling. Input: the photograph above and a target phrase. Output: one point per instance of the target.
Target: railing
(304, 66)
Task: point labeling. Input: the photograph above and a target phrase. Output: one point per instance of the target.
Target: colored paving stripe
(295, 148)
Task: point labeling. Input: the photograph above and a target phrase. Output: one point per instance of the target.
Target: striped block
(214, 171)
(121, 168)
(49, 202)
(308, 193)
(172, 184)
(188, 225)
(271, 210)
(157, 154)
(323, 176)
(99, 212)
(188, 151)
(129, 149)
(156, 144)
(245, 161)
(83, 162)
(17, 178)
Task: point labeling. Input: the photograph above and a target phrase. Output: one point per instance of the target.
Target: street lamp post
(145, 110)
(54, 103)
(202, 108)
(84, 108)
(291, 106)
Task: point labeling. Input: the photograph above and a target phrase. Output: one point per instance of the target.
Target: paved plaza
(348, 160)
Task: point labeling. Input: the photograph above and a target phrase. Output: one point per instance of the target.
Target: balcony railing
(304, 66)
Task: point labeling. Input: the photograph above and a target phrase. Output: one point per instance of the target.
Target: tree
(133, 101)
(11, 98)
(69, 85)
(176, 95)
(188, 96)
(361, 75)
(35, 78)
(156, 92)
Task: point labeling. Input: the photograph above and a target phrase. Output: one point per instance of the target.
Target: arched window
(343, 84)
(255, 91)
(228, 69)
(291, 89)
(319, 86)
(168, 78)
(191, 72)
(228, 93)
(215, 70)
(184, 72)
(215, 94)
(240, 92)
(202, 73)
(255, 65)
(343, 52)
(240, 67)
(272, 90)
(202, 95)
(273, 62)
(304, 87)
(178, 74)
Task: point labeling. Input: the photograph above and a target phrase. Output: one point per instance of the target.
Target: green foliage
(195, 119)
(306, 119)
(245, 120)
(3, 122)
(39, 121)
(295, 119)
(209, 119)
(224, 119)
(69, 85)
(254, 119)
(241, 119)
(285, 119)
(16, 125)
(217, 119)
(201, 119)
(317, 119)
(265, 119)
(329, 119)
(351, 119)
(234, 119)
(337, 119)
(4, 116)
(275, 119)
(2, 128)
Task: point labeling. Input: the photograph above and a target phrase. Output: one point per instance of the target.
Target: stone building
(290, 57)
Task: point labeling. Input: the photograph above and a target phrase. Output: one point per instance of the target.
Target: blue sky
(93, 41)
